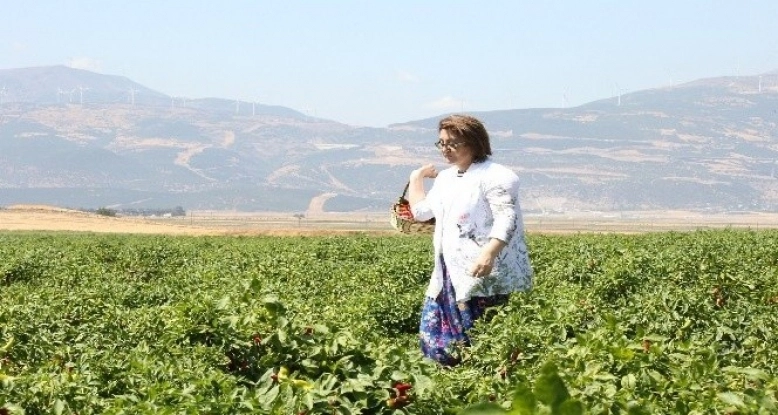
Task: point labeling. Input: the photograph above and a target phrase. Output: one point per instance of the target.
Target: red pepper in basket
(404, 211)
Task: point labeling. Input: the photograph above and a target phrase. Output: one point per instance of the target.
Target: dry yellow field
(47, 218)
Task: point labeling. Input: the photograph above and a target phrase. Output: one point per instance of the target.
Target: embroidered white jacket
(468, 211)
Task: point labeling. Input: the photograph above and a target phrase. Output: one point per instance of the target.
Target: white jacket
(468, 211)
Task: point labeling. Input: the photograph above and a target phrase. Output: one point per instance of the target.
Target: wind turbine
(181, 102)
(540, 205)
(307, 112)
(132, 95)
(670, 75)
(81, 90)
(3, 93)
(567, 100)
(618, 92)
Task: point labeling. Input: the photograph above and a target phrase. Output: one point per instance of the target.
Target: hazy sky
(376, 63)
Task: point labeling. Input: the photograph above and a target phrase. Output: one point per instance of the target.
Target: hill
(75, 138)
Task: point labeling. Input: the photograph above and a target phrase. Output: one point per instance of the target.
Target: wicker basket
(402, 219)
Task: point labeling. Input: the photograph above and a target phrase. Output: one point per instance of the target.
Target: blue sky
(375, 63)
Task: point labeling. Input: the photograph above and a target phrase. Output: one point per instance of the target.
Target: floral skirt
(445, 322)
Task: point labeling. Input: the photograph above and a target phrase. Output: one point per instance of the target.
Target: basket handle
(405, 191)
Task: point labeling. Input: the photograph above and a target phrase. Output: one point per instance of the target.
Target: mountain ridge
(708, 144)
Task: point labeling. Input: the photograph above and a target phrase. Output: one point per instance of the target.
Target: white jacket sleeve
(424, 209)
(503, 199)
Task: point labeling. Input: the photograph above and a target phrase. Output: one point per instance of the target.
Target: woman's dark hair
(471, 131)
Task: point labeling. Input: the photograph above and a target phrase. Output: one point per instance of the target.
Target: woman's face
(454, 150)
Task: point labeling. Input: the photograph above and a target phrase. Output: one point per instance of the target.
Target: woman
(480, 251)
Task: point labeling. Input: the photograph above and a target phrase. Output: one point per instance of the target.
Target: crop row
(656, 323)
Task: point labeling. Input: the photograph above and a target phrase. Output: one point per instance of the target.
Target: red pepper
(402, 387)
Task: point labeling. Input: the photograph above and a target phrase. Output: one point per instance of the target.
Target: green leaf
(268, 398)
(483, 409)
(399, 376)
(628, 381)
(59, 407)
(223, 303)
(274, 306)
(321, 329)
(634, 409)
(655, 376)
(256, 284)
(308, 400)
(421, 383)
(731, 399)
(282, 335)
(622, 353)
(655, 338)
(524, 402)
(550, 388)
(606, 377)
(750, 372)
(570, 407)
(7, 345)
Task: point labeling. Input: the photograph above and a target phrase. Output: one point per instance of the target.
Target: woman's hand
(425, 171)
(484, 264)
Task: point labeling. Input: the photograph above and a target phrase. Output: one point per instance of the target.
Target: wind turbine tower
(567, 100)
(81, 90)
(540, 205)
(132, 95)
(3, 93)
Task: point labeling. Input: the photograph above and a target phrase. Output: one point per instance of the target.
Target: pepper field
(664, 322)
